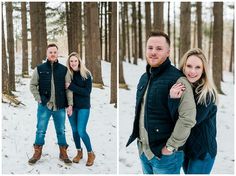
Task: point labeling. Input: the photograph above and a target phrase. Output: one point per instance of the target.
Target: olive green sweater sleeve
(69, 93)
(34, 84)
(187, 117)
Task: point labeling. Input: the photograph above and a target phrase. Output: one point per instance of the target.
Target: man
(48, 88)
(160, 135)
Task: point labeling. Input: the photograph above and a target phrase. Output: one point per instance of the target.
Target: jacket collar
(157, 70)
(54, 63)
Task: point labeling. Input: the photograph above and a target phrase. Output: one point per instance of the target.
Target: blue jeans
(167, 164)
(43, 116)
(197, 166)
(78, 121)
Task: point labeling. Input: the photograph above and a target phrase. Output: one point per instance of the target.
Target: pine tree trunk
(168, 20)
(140, 43)
(106, 32)
(148, 25)
(218, 44)
(134, 30)
(93, 57)
(123, 33)
(80, 31)
(5, 80)
(42, 31)
(114, 53)
(34, 26)
(109, 23)
(127, 31)
(25, 70)
(185, 27)
(231, 64)
(199, 24)
(174, 39)
(158, 16)
(10, 45)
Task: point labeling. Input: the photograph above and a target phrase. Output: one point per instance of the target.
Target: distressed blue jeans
(167, 164)
(43, 116)
(78, 121)
(198, 166)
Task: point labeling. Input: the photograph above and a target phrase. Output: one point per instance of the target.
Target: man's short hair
(159, 34)
(52, 45)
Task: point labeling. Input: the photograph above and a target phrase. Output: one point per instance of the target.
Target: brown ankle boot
(91, 158)
(63, 155)
(79, 156)
(37, 154)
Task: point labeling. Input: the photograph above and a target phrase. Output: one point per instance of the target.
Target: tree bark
(199, 24)
(114, 53)
(127, 31)
(140, 43)
(185, 27)
(218, 44)
(10, 46)
(158, 16)
(93, 56)
(148, 25)
(134, 30)
(5, 80)
(25, 70)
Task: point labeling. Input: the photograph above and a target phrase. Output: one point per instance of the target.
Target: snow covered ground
(128, 157)
(19, 126)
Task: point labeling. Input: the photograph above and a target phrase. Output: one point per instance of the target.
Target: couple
(175, 113)
(55, 87)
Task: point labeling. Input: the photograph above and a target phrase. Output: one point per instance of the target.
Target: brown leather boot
(63, 155)
(79, 156)
(91, 158)
(37, 154)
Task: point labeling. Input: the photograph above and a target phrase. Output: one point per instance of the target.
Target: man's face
(52, 54)
(157, 50)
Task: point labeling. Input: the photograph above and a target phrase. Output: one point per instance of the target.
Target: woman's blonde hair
(84, 72)
(205, 88)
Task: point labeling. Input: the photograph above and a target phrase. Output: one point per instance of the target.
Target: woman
(201, 146)
(81, 86)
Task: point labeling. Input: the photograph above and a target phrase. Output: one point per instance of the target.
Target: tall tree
(199, 24)
(80, 31)
(158, 16)
(231, 65)
(72, 21)
(114, 54)
(174, 37)
(42, 35)
(168, 20)
(127, 30)
(109, 24)
(106, 31)
(93, 56)
(218, 44)
(134, 31)
(5, 80)
(210, 37)
(25, 70)
(185, 27)
(140, 43)
(34, 18)
(10, 46)
(123, 33)
(101, 25)
(148, 25)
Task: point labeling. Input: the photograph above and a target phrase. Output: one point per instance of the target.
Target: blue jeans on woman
(78, 121)
(43, 116)
(198, 166)
(167, 164)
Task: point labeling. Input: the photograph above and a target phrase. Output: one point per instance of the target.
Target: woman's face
(193, 68)
(74, 63)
